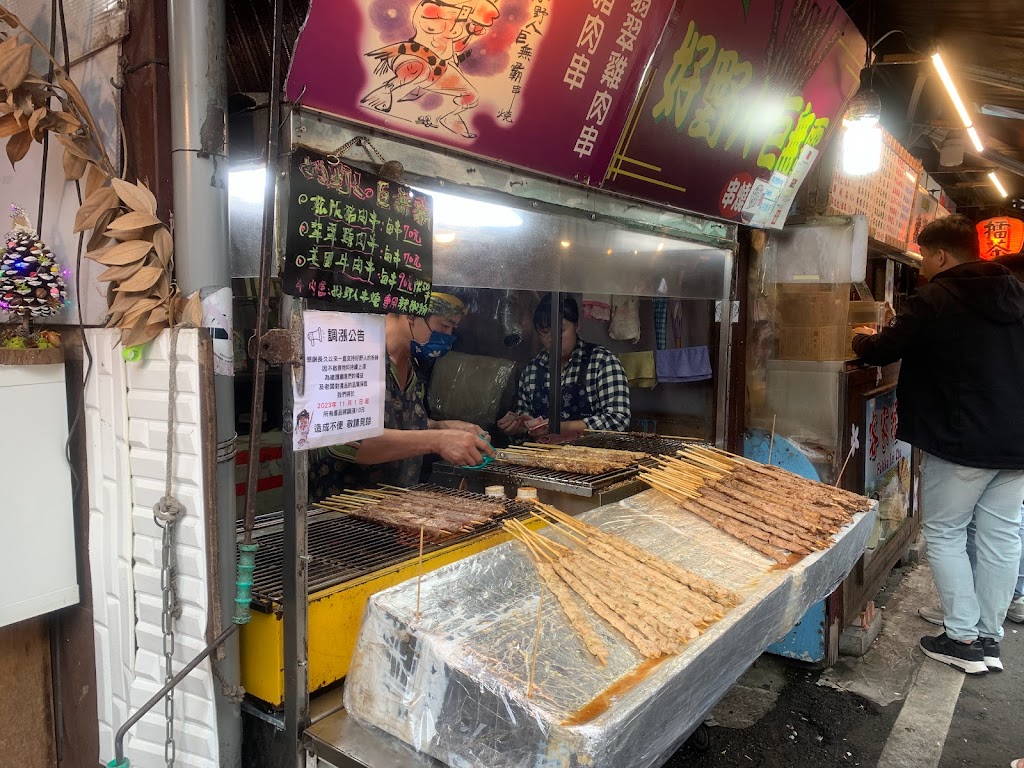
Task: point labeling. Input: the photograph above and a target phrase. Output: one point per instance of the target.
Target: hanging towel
(597, 306)
(676, 366)
(625, 325)
(661, 322)
(640, 369)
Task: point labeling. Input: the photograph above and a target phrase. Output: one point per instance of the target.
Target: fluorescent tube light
(995, 180)
(973, 133)
(954, 95)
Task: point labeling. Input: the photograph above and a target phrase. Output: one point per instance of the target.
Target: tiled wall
(126, 409)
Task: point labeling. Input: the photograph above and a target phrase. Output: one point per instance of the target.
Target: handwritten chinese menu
(355, 240)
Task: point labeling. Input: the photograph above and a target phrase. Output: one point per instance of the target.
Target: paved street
(892, 708)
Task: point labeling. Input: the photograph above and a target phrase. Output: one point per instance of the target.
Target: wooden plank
(26, 708)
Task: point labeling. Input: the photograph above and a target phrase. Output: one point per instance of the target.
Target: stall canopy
(610, 93)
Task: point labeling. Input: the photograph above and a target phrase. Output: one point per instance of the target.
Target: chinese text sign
(343, 394)
(737, 97)
(356, 240)
(886, 460)
(541, 84)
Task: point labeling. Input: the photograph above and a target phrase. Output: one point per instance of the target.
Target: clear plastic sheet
(453, 682)
(473, 388)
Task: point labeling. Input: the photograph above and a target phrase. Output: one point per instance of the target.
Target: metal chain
(166, 513)
(363, 142)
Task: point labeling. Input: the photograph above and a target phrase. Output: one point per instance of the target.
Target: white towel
(625, 325)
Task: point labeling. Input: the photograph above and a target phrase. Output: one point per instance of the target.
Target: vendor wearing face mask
(595, 390)
(396, 457)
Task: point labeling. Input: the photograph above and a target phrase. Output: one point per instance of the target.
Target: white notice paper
(343, 399)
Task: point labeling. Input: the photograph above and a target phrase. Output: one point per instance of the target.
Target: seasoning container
(527, 493)
(497, 491)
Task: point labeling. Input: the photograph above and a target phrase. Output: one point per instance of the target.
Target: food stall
(509, 236)
(650, 253)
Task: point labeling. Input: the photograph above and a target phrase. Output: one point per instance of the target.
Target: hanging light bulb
(862, 135)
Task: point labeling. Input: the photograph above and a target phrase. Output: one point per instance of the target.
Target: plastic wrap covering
(453, 683)
(471, 388)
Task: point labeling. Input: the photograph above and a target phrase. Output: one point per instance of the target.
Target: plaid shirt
(606, 386)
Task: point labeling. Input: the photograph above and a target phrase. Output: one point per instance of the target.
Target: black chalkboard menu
(356, 241)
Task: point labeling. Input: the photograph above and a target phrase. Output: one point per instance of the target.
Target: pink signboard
(542, 84)
(739, 93)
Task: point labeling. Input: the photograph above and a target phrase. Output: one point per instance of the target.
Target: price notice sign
(356, 240)
(343, 394)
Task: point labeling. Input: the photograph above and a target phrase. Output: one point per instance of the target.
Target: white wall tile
(126, 413)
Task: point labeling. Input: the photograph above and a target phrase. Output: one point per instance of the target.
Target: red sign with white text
(541, 84)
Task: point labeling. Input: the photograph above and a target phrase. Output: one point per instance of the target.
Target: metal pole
(266, 265)
(156, 698)
(295, 595)
(555, 366)
(198, 114)
(724, 353)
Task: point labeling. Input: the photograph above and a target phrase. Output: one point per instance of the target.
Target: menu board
(355, 240)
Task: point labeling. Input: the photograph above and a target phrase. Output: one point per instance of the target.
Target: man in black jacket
(961, 340)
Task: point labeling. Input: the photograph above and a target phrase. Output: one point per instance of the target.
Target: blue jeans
(974, 599)
(972, 553)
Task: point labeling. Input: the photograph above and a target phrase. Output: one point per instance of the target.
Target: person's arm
(514, 424)
(462, 426)
(454, 446)
(609, 396)
(903, 335)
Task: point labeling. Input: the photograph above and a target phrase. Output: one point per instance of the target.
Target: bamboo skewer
(419, 576)
(655, 605)
(536, 646)
(769, 509)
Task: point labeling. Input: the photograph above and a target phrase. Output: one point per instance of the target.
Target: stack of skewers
(779, 514)
(570, 458)
(440, 516)
(656, 605)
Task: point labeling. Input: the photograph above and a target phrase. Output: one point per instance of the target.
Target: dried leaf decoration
(126, 253)
(136, 197)
(117, 274)
(93, 207)
(141, 296)
(142, 280)
(18, 146)
(14, 64)
(134, 220)
(163, 244)
(74, 167)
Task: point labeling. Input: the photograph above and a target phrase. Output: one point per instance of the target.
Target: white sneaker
(1016, 611)
(932, 615)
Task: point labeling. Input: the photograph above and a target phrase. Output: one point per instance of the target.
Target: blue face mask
(438, 345)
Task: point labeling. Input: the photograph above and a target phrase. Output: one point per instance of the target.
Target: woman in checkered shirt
(595, 390)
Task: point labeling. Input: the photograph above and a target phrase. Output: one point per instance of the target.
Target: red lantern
(1000, 236)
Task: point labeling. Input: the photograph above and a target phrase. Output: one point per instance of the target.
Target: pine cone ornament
(30, 280)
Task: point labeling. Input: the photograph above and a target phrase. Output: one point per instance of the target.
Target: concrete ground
(891, 708)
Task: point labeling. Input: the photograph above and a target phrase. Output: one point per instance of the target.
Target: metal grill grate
(656, 445)
(549, 479)
(342, 548)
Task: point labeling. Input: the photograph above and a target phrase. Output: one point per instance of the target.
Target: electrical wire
(76, 480)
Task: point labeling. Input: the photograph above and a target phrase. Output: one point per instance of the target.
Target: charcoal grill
(348, 560)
